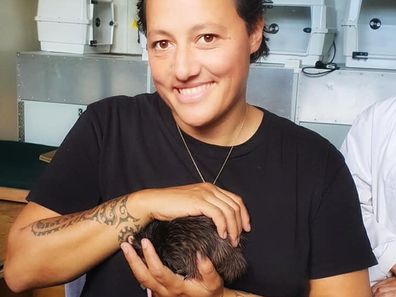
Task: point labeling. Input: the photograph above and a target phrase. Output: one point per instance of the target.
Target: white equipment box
(75, 26)
(369, 34)
(299, 30)
(48, 123)
(127, 38)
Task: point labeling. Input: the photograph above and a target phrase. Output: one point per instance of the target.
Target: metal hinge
(21, 121)
(360, 55)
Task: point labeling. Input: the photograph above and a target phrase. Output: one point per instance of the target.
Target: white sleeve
(358, 152)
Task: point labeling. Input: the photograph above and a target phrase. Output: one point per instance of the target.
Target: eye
(208, 38)
(161, 44)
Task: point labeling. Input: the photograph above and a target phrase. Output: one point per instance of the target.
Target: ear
(256, 36)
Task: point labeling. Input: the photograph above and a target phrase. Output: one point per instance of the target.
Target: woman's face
(199, 57)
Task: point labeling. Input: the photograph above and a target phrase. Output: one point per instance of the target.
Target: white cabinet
(127, 39)
(48, 123)
(299, 30)
(75, 26)
(369, 34)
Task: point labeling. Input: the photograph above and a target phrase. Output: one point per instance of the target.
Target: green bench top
(20, 166)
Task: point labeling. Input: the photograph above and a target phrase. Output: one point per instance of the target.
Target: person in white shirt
(370, 152)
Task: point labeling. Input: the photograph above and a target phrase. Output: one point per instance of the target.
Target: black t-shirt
(305, 214)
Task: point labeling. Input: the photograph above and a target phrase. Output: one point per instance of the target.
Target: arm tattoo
(126, 232)
(110, 213)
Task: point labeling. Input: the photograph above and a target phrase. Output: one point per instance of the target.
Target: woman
(194, 148)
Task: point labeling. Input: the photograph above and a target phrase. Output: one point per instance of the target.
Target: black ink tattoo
(126, 232)
(111, 213)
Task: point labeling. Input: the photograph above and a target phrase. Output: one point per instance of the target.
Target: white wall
(17, 33)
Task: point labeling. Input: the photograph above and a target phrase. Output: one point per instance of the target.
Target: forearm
(56, 249)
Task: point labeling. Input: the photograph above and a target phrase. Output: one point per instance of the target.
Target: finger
(386, 290)
(230, 201)
(384, 293)
(210, 278)
(387, 282)
(149, 293)
(214, 212)
(243, 210)
(139, 269)
(232, 216)
(159, 271)
(229, 208)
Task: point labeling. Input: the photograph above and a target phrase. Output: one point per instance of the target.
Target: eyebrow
(195, 28)
(205, 25)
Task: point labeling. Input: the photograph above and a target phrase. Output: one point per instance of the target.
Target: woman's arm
(45, 248)
(164, 283)
(354, 284)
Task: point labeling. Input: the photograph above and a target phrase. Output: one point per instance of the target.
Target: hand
(385, 288)
(164, 283)
(226, 209)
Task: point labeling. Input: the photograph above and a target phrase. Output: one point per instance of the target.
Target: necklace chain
(225, 160)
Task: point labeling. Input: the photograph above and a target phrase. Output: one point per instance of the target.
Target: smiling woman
(194, 148)
(200, 62)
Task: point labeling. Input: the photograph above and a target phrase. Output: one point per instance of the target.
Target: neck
(224, 131)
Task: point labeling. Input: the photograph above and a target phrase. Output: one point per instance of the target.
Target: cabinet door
(48, 123)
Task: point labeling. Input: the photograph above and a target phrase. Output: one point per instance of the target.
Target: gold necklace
(225, 160)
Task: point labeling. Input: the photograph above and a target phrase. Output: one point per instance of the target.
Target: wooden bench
(20, 168)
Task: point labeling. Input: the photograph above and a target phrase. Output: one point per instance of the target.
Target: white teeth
(192, 91)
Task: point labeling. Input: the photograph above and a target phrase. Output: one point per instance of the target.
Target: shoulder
(298, 137)
(119, 109)
(118, 114)
(386, 107)
(314, 158)
(377, 121)
(123, 103)
(380, 112)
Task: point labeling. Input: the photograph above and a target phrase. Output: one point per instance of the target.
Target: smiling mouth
(195, 90)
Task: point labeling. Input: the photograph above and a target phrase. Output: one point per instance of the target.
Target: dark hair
(177, 243)
(251, 11)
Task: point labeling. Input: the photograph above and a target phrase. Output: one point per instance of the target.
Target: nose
(186, 64)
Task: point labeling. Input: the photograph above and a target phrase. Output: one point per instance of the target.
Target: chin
(194, 121)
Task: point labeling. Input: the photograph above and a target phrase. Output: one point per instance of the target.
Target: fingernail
(124, 247)
(224, 236)
(199, 256)
(149, 293)
(249, 227)
(144, 243)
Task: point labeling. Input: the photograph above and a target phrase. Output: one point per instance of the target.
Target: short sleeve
(70, 182)
(339, 242)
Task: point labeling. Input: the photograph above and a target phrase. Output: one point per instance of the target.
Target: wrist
(137, 206)
(129, 217)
